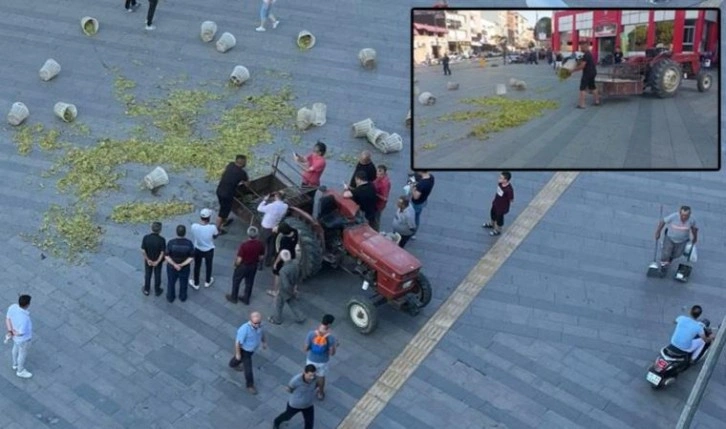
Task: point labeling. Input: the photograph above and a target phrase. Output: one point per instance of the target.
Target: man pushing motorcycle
(680, 227)
(690, 334)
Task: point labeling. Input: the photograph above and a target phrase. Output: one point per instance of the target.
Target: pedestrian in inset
(680, 226)
(364, 194)
(234, 175)
(618, 56)
(150, 14)
(20, 329)
(302, 398)
(266, 14)
(131, 5)
(445, 62)
(250, 336)
(289, 276)
(203, 234)
(274, 210)
(249, 256)
(421, 187)
(589, 73)
(320, 345)
(313, 166)
(366, 165)
(152, 247)
(382, 184)
(287, 239)
(179, 255)
(404, 221)
(500, 205)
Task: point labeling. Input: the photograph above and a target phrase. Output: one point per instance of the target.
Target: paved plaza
(105, 356)
(624, 132)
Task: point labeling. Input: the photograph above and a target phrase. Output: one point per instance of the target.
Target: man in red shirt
(500, 206)
(249, 256)
(383, 188)
(313, 166)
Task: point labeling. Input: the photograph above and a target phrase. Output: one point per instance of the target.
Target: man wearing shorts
(589, 72)
(680, 226)
(320, 345)
(233, 176)
(500, 205)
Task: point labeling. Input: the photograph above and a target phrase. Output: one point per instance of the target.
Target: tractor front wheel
(362, 313)
(665, 78)
(423, 290)
(704, 81)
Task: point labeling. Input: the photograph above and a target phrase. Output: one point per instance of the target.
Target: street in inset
(382, 185)
(20, 330)
(203, 234)
(250, 337)
(234, 176)
(302, 398)
(500, 205)
(179, 256)
(321, 345)
(249, 256)
(289, 277)
(153, 248)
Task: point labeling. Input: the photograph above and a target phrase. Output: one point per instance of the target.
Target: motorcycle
(673, 361)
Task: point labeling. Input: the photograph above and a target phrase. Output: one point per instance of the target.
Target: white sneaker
(275, 24)
(413, 237)
(260, 29)
(191, 283)
(24, 374)
(15, 368)
(150, 28)
(211, 280)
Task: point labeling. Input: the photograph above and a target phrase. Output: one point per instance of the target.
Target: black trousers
(208, 258)
(268, 239)
(496, 218)
(247, 367)
(247, 273)
(447, 70)
(130, 3)
(152, 10)
(308, 415)
(404, 240)
(156, 271)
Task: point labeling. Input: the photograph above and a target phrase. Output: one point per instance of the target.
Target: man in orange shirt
(383, 188)
(313, 167)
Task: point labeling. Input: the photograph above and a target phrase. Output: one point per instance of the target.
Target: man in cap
(203, 234)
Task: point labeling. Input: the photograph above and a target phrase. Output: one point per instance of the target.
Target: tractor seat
(333, 220)
(675, 353)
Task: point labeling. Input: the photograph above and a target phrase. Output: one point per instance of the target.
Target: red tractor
(341, 237)
(664, 71)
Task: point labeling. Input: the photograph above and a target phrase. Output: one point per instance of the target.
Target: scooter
(673, 361)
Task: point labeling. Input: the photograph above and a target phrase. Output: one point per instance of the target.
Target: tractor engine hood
(379, 252)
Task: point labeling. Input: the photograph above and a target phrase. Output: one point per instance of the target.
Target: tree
(664, 32)
(544, 25)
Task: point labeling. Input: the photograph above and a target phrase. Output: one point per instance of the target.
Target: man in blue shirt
(250, 337)
(320, 345)
(690, 335)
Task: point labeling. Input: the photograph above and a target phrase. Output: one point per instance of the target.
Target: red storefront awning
(429, 28)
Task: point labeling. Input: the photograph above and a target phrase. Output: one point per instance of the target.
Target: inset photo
(551, 89)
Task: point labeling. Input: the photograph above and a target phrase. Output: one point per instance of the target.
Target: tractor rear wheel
(423, 290)
(311, 249)
(704, 81)
(362, 313)
(665, 78)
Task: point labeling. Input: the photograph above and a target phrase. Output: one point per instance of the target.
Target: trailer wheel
(704, 81)
(423, 290)
(362, 313)
(311, 258)
(665, 78)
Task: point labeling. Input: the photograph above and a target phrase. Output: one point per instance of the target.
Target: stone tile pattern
(563, 334)
(105, 355)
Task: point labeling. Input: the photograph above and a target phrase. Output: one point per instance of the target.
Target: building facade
(634, 31)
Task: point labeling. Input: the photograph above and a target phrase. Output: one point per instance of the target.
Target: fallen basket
(156, 178)
(208, 31)
(226, 42)
(18, 113)
(50, 69)
(389, 143)
(451, 86)
(360, 129)
(305, 40)
(89, 25)
(375, 136)
(320, 111)
(501, 89)
(239, 75)
(408, 119)
(367, 58)
(427, 99)
(305, 118)
(67, 112)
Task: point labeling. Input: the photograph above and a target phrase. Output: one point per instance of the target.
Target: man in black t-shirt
(364, 194)
(286, 239)
(234, 175)
(366, 165)
(421, 187)
(589, 72)
(153, 247)
(179, 254)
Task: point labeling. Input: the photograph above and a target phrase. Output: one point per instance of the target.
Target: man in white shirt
(273, 210)
(203, 234)
(20, 329)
